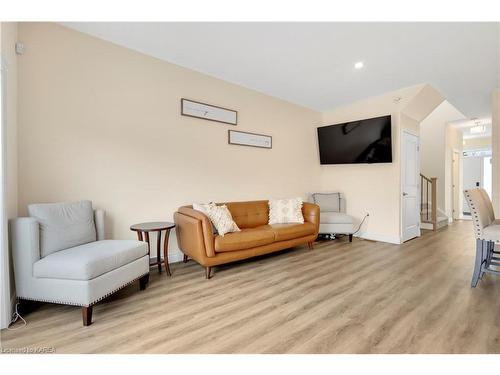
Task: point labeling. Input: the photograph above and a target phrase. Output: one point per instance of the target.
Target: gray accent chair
(60, 256)
(487, 233)
(333, 217)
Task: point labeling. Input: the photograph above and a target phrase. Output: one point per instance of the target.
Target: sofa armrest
(25, 241)
(311, 214)
(192, 220)
(99, 216)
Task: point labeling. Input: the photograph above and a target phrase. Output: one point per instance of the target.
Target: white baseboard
(379, 237)
(427, 226)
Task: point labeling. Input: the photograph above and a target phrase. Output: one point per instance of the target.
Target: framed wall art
(209, 112)
(249, 139)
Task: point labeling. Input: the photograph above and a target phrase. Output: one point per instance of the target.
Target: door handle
(405, 194)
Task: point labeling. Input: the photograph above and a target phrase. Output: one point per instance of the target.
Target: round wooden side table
(158, 227)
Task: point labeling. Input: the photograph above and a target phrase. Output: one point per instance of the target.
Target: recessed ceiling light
(359, 65)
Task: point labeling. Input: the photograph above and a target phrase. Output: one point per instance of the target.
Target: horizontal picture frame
(240, 138)
(192, 108)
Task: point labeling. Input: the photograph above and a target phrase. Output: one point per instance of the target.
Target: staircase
(430, 216)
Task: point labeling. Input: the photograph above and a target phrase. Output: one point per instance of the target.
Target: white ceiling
(311, 64)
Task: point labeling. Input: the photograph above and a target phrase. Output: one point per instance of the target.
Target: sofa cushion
(245, 239)
(327, 201)
(283, 232)
(251, 214)
(63, 225)
(90, 260)
(335, 218)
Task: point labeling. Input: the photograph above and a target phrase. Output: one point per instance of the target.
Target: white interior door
(410, 199)
(472, 172)
(456, 185)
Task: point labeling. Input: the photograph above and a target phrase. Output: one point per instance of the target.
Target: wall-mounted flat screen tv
(355, 142)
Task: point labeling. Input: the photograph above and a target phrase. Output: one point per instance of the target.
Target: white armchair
(333, 219)
(60, 256)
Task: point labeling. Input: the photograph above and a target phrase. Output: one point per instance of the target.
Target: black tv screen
(363, 141)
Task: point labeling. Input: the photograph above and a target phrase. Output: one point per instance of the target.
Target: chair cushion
(283, 232)
(327, 201)
(492, 233)
(63, 225)
(335, 218)
(245, 239)
(90, 260)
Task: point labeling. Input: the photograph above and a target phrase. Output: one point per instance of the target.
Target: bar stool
(487, 232)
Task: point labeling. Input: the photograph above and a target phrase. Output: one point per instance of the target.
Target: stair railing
(428, 199)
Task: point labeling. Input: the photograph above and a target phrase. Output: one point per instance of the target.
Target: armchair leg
(310, 245)
(208, 271)
(350, 238)
(87, 315)
(185, 258)
(143, 281)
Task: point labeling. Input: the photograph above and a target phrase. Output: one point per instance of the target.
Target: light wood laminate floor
(364, 297)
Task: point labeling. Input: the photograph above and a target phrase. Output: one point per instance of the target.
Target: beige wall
(437, 140)
(372, 188)
(454, 142)
(102, 122)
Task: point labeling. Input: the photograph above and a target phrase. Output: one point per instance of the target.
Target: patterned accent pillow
(203, 207)
(221, 218)
(283, 211)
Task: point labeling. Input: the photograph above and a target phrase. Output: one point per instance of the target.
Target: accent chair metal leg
(490, 245)
(350, 238)
(478, 263)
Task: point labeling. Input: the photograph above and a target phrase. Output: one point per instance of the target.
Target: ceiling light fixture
(359, 65)
(477, 129)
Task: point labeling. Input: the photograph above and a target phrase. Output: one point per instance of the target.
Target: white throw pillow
(222, 220)
(203, 207)
(284, 211)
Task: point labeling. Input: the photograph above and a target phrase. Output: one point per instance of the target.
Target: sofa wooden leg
(208, 271)
(185, 258)
(350, 238)
(310, 245)
(143, 281)
(87, 315)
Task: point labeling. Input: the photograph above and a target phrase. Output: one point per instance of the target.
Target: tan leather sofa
(196, 238)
